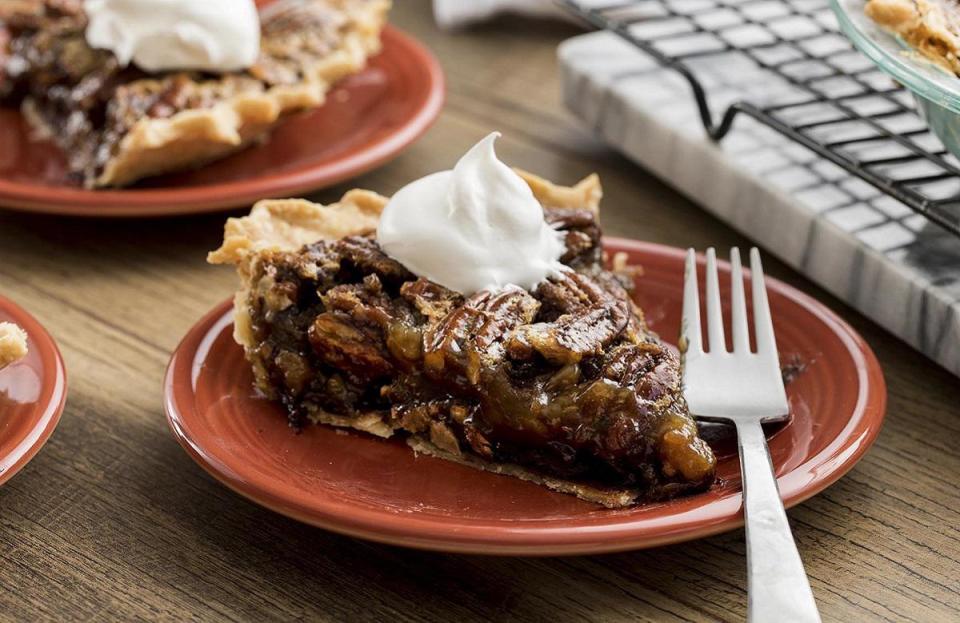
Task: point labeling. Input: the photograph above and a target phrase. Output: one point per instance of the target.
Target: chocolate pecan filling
(565, 380)
(87, 103)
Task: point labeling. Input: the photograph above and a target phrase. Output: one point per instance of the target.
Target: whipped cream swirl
(474, 228)
(165, 35)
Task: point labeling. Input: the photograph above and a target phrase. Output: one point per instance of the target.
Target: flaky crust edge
(13, 344)
(194, 137)
(923, 25)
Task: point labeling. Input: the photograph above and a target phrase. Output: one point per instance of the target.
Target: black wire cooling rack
(830, 98)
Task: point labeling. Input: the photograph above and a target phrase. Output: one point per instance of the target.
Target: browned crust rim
(372, 423)
(13, 344)
(288, 224)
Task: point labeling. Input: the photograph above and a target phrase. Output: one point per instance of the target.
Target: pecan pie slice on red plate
(119, 123)
(561, 384)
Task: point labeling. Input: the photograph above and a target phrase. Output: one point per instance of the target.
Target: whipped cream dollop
(474, 228)
(165, 35)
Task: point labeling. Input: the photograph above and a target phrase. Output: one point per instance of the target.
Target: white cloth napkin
(451, 14)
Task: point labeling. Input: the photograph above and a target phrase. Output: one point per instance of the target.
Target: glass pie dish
(935, 90)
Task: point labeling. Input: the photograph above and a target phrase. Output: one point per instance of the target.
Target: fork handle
(777, 585)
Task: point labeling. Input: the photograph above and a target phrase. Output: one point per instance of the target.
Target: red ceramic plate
(367, 119)
(32, 394)
(376, 489)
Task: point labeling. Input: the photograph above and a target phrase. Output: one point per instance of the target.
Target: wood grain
(112, 520)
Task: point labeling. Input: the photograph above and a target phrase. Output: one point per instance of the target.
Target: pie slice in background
(120, 124)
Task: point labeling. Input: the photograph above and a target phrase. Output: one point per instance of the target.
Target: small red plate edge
(57, 399)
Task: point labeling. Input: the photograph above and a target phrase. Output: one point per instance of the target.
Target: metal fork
(746, 388)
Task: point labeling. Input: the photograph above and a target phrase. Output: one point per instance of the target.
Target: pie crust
(930, 27)
(13, 343)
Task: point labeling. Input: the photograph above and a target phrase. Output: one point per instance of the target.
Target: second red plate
(367, 119)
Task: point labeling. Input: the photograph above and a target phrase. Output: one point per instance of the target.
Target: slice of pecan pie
(120, 124)
(563, 385)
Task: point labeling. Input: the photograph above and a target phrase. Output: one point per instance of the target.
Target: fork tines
(732, 384)
(763, 325)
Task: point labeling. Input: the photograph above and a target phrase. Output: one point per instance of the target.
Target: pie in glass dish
(931, 27)
(561, 384)
(118, 123)
(13, 344)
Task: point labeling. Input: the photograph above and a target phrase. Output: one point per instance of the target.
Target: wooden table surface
(112, 520)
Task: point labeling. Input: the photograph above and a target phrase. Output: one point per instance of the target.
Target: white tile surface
(866, 248)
